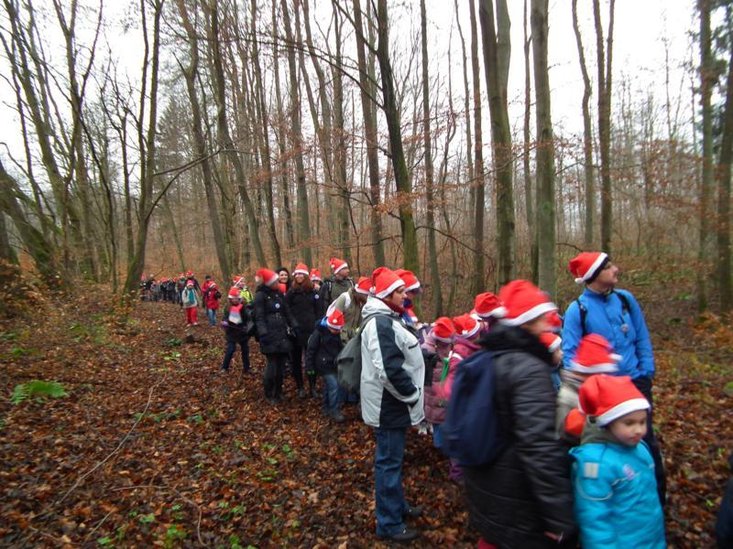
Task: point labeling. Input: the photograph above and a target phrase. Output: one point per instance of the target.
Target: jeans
(211, 313)
(644, 384)
(390, 498)
(231, 348)
(331, 397)
(273, 376)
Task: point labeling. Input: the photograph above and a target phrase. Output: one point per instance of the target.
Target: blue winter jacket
(616, 501)
(625, 328)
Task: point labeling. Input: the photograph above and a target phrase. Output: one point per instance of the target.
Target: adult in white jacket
(392, 377)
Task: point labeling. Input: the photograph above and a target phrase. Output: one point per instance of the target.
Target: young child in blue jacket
(616, 502)
(324, 345)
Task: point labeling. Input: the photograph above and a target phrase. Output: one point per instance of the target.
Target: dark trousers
(644, 384)
(232, 340)
(273, 376)
(296, 362)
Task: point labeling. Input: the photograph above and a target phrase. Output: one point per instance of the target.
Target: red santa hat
(586, 265)
(316, 275)
(551, 341)
(267, 276)
(363, 285)
(607, 398)
(189, 283)
(443, 329)
(234, 293)
(466, 326)
(524, 302)
(301, 268)
(487, 305)
(594, 356)
(335, 320)
(554, 322)
(412, 284)
(384, 282)
(337, 264)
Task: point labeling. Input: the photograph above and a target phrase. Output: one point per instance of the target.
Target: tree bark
(723, 181)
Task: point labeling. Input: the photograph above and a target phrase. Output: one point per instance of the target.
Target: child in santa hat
(324, 345)
(616, 503)
(235, 329)
(189, 301)
(594, 356)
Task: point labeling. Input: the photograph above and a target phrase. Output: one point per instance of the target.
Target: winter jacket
(351, 308)
(331, 288)
(462, 349)
(392, 370)
(616, 501)
(234, 321)
(210, 299)
(323, 348)
(526, 491)
(567, 399)
(274, 321)
(624, 327)
(305, 307)
(189, 298)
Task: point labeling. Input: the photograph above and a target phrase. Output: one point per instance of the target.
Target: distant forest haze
(256, 133)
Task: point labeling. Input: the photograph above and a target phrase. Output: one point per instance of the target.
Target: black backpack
(583, 310)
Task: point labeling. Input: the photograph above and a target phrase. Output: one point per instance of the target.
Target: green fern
(39, 389)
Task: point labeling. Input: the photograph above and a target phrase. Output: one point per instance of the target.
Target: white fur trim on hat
(607, 368)
(472, 332)
(531, 314)
(344, 265)
(389, 289)
(622, 409)
(301, 271)
(498, 312)
(602, 256)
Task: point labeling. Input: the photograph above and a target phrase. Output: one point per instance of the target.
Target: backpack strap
(583, 310)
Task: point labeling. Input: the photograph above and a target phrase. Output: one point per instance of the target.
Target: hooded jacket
(305, 307)
(392, 370)
(616, 501)
(274, 321)
(526, 491)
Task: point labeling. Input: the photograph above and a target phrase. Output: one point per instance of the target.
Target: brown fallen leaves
(154, 447)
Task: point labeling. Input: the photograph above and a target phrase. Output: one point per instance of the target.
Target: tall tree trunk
(478, 182)
(723, 176)
(367, 88)
(528, 196)
(497, 50)
(428, 142)
(605, 56)
(191, 74)
(545, 150)
(304, 229)
(590, 191)
(707, 81)
(392, 115)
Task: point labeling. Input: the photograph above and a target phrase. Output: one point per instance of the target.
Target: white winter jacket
(392, 370)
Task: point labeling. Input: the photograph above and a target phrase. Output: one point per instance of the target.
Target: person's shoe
(272, 400)
(403, 536)
(338, 417)
(412, 511)
(301, 393)
(314, 393)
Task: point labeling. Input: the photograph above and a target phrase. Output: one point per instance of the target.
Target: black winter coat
(323, 348)
(274, 321)
(526, 491)
(305, 307)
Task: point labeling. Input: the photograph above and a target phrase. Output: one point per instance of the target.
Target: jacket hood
(375, 305)
(593, 433)
(504, 338)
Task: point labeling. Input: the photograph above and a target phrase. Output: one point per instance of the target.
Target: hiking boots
(403, 536)
(338, 417)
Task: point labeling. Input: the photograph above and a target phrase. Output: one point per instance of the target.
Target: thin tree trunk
(723, 176)
(528, 196)
(707, 81)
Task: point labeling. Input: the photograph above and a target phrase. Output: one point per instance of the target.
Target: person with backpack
(323, 347)
(235, 328)
(212, 295)
(303, 303)
(616, 315)
(523, 496)
(392, 377)
(338, 283)
(189, 302)
(351, 303)
(275, 327)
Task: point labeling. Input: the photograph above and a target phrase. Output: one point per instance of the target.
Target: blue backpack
(471, 432)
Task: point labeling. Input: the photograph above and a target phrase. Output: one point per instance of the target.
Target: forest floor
(153, 446)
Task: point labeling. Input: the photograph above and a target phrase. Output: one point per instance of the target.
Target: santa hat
(466, 326)
(384, 282)
(594, 356)
(282, 287)
(443, 329)
(316, 275)
(554, 322)
(363, 285)
(487, 305)
(412, 284)
(586, 265)
(608, 398)
(337, 264)
(189, 274)
(551, 341)
(234, 293)
(189, 283)
(335, 320)
(267, 276)
(524, 302)
(301, 268)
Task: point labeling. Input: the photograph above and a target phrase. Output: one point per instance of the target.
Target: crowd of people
(579, 462)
